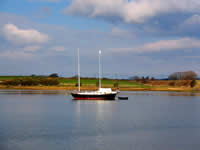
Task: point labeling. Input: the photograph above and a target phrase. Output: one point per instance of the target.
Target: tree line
(30, 81)
(187, 75)
(186, 78)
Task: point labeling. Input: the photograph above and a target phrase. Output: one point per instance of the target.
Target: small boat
(122, 98)
(100, 94)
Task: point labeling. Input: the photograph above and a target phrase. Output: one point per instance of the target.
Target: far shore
(70, 84)
(72, 88)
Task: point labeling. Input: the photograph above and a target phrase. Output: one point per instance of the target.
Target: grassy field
(105, 83)
(87, 82)
(11, 77)
(92, 84)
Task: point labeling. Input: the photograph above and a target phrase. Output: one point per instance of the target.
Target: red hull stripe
(81, 98)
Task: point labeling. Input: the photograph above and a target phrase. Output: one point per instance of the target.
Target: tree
(54, 75)
(134, 78)
(193, 83)
(187, 75)
(190, 75)
(77, 84)
(33, 75)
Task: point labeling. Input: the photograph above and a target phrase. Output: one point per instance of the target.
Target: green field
(11, 77)
(86, 82)
(105, 82)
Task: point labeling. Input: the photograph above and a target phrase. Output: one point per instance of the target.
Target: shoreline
(72, 88)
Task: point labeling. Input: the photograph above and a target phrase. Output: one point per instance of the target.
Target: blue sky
(137, 37)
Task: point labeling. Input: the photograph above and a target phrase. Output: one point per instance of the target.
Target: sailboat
(100, 94)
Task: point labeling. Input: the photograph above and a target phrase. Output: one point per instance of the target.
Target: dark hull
(123, 98)
(78, 96)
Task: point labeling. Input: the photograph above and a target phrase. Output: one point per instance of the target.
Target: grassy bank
(92, 84)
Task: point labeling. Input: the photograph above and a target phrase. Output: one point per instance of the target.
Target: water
(51, 120)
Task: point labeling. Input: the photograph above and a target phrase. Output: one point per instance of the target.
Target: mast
(99, 69)
(78, 71)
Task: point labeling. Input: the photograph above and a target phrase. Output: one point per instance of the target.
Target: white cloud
(190, 26)
(23, 36)
(163, 45)
(183, 43)
(131, 11)
(16, 55)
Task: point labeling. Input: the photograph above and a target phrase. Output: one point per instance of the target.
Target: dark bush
(54, 75)
(185, 83)
(77, 84)
(193, 83)
(31, 82)
(172, 83)
(49, 82)
(33, 75)
(14, 82)
(134, 78)
(144, 81)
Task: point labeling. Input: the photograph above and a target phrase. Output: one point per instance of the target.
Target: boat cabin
(105, 90)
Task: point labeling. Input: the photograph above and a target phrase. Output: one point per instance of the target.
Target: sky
(137, 37)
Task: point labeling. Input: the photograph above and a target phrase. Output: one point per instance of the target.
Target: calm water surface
(43, 120)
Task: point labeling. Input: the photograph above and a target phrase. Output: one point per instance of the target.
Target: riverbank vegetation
(30, 81)
(180, 81)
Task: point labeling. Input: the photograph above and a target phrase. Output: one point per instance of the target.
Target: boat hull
(122, 98)
(78, 96)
